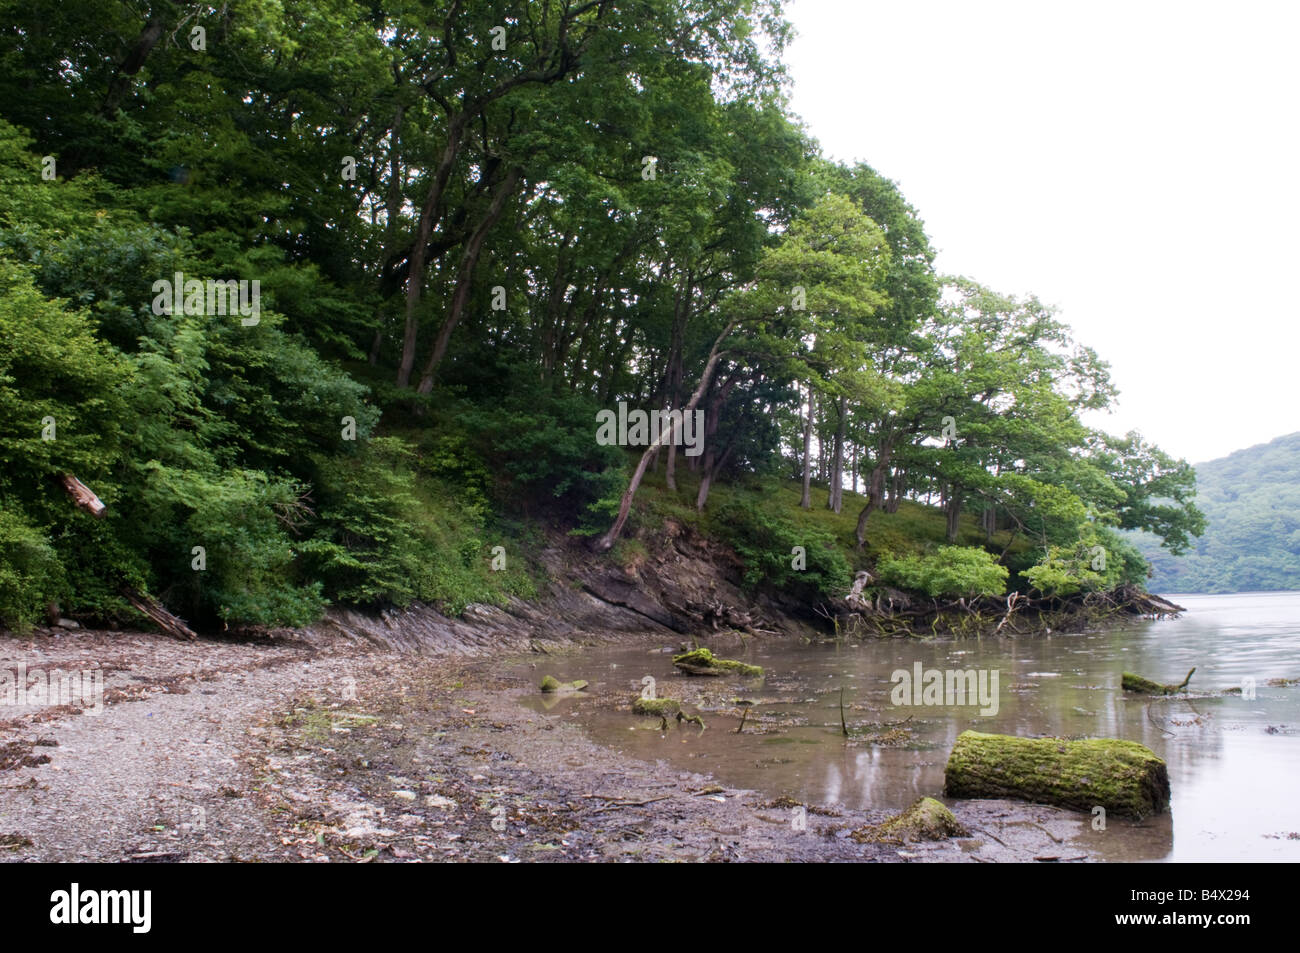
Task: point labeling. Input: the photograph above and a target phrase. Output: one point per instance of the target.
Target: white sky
(1135, 164)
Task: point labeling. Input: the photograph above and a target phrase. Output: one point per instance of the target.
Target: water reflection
(1234, 762)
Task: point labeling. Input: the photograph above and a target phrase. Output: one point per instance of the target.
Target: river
(1234, 761)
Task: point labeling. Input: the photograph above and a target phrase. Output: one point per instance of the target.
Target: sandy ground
(295, 749)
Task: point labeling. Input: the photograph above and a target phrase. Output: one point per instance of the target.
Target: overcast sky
(1134, 164)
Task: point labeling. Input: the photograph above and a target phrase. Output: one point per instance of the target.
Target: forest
(324, 301)
(1251, 542)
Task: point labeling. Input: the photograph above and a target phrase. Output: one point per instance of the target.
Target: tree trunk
(952, 510)
(429, 214)
(806, 501)
(121, 81)
(835, 497)
(713, 463)
(895, 490)
(469, 259)
(875, 491)
(606, 542)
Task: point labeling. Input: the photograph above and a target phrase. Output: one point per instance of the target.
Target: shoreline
(317, 747)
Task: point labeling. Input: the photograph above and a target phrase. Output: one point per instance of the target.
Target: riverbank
(313, 747)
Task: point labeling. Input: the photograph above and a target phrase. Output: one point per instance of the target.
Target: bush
(766, 542)
(30, 573)
(1100, 560)
(388, 536)
(543, 450)
(952, 571)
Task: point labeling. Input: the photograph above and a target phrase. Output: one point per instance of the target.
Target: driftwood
(1124, 777)
(1012, 599)
(83, 496)
(892, 612)
(716, 613)
(159, 616)
(855, 598)
(1144, 686)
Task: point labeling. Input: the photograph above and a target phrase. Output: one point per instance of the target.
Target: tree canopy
(469, 229)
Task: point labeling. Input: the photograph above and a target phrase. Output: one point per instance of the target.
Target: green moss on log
(703, 662)
(1144, 686)
(1124, 777)
(926, 819)
(552, 684)
(656, 706)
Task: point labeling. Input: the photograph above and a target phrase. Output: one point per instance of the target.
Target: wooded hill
(472, 228)
(1251, 501)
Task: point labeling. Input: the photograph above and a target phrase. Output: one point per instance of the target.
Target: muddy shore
(338, 744)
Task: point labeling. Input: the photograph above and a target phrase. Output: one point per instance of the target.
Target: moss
(926, 819)
(1124, 777)
(691, 719)
(552, 684)
(656, 706)
(1144, 686)
(703, 662)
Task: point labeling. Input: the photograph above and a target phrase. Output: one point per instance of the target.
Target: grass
(915, 528)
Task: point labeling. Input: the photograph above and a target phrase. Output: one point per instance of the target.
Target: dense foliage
(465, 230)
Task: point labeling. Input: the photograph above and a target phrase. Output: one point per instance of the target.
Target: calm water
(1234, 763)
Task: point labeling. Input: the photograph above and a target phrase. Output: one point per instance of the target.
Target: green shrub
(952, 571)
(543, 451)
(30, 573)
(1100, 560)
(766, 542)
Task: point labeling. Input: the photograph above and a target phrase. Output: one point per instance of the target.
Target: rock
(926, 819)
(703, 662)
(1124, 777)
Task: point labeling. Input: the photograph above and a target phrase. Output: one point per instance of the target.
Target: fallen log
(1144, 686)
(703, 662)
(1124, 777)
(83, 496)
(552, 684)
(159, 616)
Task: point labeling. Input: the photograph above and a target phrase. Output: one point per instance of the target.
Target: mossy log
(552, 684)
(1124, 777)
(656, 706)
(1144, 686)
(703, 662)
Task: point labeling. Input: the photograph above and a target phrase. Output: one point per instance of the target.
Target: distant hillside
(1251, 500)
